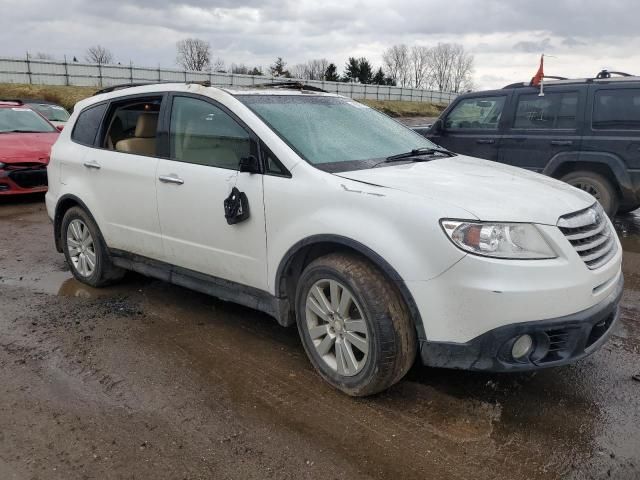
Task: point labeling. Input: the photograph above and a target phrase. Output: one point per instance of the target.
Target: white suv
(323, 212)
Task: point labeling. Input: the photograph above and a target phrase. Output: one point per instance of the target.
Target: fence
(45, 72)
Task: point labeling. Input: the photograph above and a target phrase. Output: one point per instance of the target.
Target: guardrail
(46, 72)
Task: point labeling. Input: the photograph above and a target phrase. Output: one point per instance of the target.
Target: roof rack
(291, 85)
(602, 75)
(607, 74)
(122, 86)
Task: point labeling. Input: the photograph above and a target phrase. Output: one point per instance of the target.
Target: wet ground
(146, 380)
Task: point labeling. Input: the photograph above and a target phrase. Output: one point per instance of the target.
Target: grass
(62, 95)
(395, 108)
(68, 96)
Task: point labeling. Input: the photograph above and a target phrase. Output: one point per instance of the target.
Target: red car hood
(26, 147)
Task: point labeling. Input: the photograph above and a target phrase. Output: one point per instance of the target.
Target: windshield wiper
(416, 152)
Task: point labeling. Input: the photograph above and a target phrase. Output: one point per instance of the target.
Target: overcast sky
(506, 36)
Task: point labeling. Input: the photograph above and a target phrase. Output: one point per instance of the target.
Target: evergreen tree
(352, 70)
(365, 71)
(331, 73)
(379, 78)
(278, 69)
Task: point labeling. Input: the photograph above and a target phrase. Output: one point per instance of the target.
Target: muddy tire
(598, 186)
(354, 325)
(85, 250)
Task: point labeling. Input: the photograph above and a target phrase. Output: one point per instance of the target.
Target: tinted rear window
(87, 125)
(617, 109)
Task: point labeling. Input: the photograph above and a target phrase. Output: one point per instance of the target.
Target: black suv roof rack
(603, 74)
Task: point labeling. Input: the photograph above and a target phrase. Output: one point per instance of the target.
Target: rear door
(473, 126)
(615, 123)
(120, 186)
(542, 127)
(206, 143)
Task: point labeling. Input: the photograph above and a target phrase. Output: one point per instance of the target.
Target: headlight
(499, 240)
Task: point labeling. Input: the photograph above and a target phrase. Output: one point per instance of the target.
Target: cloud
(505, 37)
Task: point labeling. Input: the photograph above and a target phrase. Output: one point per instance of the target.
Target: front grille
(590, 234)
(29, 178)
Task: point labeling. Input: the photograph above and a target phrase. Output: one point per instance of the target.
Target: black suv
(585, 132)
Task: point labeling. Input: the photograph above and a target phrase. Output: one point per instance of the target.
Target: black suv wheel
(598, 186)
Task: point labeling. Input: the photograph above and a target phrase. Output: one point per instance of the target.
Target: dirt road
(146, 380)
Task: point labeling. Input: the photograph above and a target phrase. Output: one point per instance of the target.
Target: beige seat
(144, 139)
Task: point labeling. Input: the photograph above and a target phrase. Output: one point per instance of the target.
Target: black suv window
(552, 111)
(87, 124)
(476, 113)
(617, 109)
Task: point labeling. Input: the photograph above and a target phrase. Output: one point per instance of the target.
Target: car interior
(133, 127)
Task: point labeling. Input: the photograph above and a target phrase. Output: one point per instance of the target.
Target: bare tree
(396, 63)
(42, 56)
(219, 66)
(98, 54)
(451, 67)
(312, 70)
(193, 54)
(419, 66)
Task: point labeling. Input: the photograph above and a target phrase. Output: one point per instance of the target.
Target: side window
(476, 113)
(272, 164)
(617, 109)
(131, 126)
(87, 124)
(552, 111)
(204, 134)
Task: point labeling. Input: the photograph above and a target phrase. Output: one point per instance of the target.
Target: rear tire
(85, 250)
(598, 186)
(358, 322)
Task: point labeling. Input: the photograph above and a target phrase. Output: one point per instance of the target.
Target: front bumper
(23, 180)
(557, 341)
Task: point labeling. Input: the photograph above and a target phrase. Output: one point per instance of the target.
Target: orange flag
(535, 81)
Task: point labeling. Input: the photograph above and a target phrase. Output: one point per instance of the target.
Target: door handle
(171, 179)
(485, 141)
(93, 164)
(561, 143)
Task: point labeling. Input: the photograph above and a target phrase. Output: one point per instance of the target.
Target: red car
(26, 138)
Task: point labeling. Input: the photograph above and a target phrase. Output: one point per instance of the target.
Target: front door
(472, 127)
(206, 144)
(542, 127)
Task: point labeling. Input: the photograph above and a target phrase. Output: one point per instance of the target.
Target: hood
(490, 191)
(26, 147)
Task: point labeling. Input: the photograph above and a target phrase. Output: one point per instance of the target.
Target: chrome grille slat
(590, 234)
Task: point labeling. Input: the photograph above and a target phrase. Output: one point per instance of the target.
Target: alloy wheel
(337, 327)
(81, 248)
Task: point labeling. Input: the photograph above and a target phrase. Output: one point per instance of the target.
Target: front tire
(598, 186)
(85, 250)
(354, 325)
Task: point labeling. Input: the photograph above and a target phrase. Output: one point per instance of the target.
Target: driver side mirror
(249, 164)
(437, 126)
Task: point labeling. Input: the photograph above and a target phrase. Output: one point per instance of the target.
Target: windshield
(334, 133)
(21, 119)
(53, 113)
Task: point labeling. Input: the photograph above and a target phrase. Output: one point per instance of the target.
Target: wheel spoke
(85, 233)
(357, 341)
(340, 361)
(90, 260)
(349, 358)
(312, 304)
(321, 298)
(83, 264)
(359, 326)
(318, 331)
(72, 242)
(334, 294)
(325, 345)
(345, 303)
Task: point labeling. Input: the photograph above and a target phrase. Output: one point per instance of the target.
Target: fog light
(522, 347)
